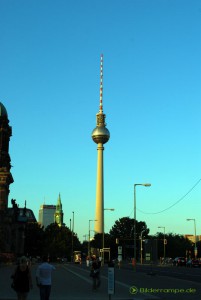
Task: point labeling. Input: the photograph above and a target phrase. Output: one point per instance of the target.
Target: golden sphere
(100, 135)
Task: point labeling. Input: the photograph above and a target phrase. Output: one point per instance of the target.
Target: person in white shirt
(44, 278)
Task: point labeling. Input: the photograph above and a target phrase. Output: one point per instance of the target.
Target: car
(179, 261)
(193, 263)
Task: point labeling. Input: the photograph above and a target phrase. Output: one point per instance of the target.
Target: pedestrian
(44, 278)
(22, 280)
(87, 261)
(95, 271)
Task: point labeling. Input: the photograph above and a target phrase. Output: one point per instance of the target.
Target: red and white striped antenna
(101, 84)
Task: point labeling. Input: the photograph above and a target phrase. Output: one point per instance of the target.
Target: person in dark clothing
(96, 272)
(22, 280)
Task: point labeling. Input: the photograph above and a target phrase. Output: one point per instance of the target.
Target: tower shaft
(99, 224)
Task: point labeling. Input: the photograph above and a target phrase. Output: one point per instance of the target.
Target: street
(190, 274)
(72, 282)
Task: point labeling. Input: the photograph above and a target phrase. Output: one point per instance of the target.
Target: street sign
(148, 256)
(120, 250)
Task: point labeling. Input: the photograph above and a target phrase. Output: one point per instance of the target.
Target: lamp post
(141, 246)
(163, 242)
(195, 247)
(143, 184)
(72, 234)
(111, 209)
(89, 250)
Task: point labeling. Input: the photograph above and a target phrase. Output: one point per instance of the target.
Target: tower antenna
(101, 84)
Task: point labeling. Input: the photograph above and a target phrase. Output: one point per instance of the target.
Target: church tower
(5, 175)
(100, 136)
(58, 215)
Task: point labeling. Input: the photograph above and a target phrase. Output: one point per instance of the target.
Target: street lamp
(141, 246)
(72, 233)
(89, 250)
(111, 209)
(163, 243)
(143, 184)
(195, 248)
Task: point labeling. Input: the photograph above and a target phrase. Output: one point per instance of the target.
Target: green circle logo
(133, 290)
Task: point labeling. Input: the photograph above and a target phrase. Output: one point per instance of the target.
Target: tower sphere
(100, 135)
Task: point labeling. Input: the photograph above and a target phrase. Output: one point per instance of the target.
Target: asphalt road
(72, 282)
(190, 274)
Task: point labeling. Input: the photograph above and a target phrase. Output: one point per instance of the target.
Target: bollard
(111, 279)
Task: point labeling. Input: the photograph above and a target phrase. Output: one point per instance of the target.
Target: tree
(34, 236)
(123, 230)
(124, 227)
(177, 245)
(54, 241)
(58, 241)
(97, 242)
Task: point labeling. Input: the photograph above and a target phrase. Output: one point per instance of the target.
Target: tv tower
(100, 136)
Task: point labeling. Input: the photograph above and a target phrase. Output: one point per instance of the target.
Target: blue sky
(49, 83)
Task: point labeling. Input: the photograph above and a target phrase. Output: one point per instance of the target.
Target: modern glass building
(46, 215)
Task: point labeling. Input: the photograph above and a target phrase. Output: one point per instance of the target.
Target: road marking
(137, 296)
(78, 275)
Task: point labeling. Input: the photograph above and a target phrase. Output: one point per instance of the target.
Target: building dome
(100, 135)
(3, 111)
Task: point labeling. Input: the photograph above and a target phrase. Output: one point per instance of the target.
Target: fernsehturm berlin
(100, 136)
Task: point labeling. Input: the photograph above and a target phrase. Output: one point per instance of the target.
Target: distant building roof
(29, 214)
(191, 237)
(47, 206)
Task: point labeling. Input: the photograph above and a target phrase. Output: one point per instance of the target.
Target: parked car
(193, 263)
(179, 261)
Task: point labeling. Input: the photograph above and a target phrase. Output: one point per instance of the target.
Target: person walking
(87, 261)
(44, 278)
(95, 269)
(22, 280)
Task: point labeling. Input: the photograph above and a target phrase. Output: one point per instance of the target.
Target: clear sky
(49, 83)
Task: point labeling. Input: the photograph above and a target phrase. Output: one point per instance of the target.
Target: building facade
(5, 162)
(46, 215)
(13, 219)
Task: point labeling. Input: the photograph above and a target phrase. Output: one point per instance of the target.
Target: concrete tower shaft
(100, 136)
